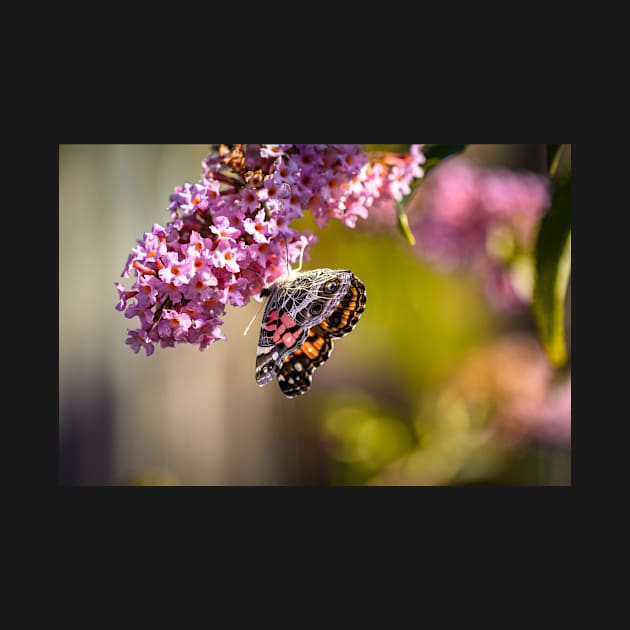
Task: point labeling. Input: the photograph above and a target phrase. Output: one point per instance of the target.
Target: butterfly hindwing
(294, 377)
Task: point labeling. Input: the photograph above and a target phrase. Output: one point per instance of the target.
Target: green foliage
(554, 151)
(434, 153)
(553, 267)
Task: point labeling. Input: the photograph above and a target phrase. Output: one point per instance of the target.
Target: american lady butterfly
(302, 317)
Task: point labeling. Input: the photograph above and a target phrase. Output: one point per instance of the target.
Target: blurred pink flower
(467, 216)
(547, 421)
(513, 381)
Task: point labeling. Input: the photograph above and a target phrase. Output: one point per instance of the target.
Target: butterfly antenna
(286, 246)
(302, 254)
(253, 318)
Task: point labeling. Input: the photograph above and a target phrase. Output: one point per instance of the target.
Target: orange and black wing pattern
(347, 313)
(295, 375)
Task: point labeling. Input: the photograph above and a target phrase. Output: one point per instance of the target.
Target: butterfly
(302, 316)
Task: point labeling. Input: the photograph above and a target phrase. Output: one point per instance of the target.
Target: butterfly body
(303, 315)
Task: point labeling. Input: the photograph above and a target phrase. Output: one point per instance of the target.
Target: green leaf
(553, 152)
(553, 268)
(556, 155)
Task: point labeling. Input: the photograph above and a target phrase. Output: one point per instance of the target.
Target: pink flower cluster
(512, 383)
(230, 235)
(482, 219)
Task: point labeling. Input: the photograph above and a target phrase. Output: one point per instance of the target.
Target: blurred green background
(421, 393)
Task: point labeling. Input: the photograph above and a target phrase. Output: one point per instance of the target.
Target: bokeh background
(434, 387)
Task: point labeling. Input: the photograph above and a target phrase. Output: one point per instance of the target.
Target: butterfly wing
(293, 308)
(295, 375)
(348, 311)
(279, 335)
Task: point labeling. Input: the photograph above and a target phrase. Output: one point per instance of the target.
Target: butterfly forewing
(301, 317)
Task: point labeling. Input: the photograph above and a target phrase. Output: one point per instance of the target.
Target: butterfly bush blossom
(229, 235)
(482, 219)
